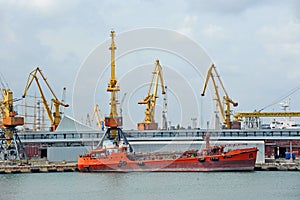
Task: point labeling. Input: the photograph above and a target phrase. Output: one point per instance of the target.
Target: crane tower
(113, 122)
(150, 100)
(11, 147)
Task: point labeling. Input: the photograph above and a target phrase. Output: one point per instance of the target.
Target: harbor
(67, 139)
(149, 100)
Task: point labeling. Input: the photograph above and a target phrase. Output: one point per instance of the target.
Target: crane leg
(11, 147)
(116, 136)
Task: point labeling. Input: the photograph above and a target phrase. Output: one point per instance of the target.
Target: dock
(37, 167)
(278, 165)
(49, 167)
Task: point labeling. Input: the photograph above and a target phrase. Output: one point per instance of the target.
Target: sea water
(151, 186)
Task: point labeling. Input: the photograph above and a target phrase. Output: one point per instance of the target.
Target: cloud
(47, 7)
(221, 7)
(187, 25)
(247, 38)
(214, 31)
(52, 40)
(281, 40)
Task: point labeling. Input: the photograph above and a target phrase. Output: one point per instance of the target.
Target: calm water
(144, 186)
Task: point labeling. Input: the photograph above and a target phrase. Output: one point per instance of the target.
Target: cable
(281, 98)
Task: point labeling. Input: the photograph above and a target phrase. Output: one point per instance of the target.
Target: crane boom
(55, 118)
(240, 115)
(100, 121)
(225, 113)
(121, 103)
(150, 99)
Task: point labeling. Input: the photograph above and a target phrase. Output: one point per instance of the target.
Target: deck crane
(99, 116)
(11, 147)
(56, 116)
(150, 100)
(225, 113)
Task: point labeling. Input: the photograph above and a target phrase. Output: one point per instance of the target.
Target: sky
(254, 44)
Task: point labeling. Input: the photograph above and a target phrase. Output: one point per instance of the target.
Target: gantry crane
(240, 115)
(11, 147)
(225, 113)
(99, 116)
(252, 119)
(150, 100)
(56, 116)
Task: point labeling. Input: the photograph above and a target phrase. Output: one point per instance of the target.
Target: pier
(59, 167)
(37, 167)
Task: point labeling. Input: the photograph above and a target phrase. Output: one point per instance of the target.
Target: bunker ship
(112, 156)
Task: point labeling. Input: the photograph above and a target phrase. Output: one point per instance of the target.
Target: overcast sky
(255, 45)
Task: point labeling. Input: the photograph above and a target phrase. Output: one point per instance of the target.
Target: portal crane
(150, 100)
(99, 116)
(225, 113)
(114, 122)
(56, 117)
(11, 147)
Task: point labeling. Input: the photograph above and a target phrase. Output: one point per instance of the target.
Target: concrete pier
(278, 166)
(48, 167)
(37, 167)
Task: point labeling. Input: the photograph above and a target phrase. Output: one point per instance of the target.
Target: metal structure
(253, 119)
(121, 104)
(113, 120)
(56, 116)
(114, 134)
(240, 115)
(150, 100)
(225, 113)
(99, 116)
(11, 147)
(164, 123)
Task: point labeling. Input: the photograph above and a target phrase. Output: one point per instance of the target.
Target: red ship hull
(234, 160)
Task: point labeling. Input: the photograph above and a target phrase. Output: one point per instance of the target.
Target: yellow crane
(113, 120)
(150, 99)
(225, 113)
(55, 117)
(12, 148)
(100, 121)
(240, 115)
